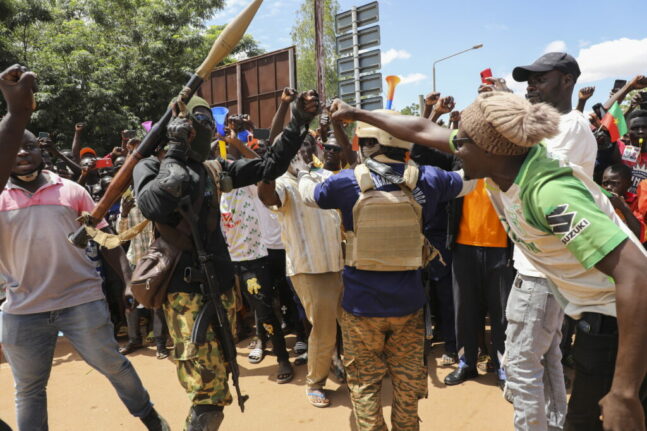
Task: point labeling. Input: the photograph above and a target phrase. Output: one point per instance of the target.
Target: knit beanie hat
(505, 124)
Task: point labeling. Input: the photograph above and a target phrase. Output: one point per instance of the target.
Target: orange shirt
(480, 224)
(640, 204)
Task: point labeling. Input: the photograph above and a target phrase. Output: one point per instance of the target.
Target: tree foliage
(303, 36)
(413, 109)
(109, 63)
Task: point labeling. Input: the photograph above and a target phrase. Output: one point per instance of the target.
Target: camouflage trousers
(201, 369)
(375, 346)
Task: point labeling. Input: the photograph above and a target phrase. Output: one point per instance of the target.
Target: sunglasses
(204, 119)
(332, 148)
(459, 142)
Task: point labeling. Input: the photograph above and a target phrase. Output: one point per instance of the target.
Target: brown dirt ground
(79, 398)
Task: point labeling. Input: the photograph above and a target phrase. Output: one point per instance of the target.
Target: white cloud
(613, 59)
(555, 46)
(517, 87)
(394, 54)
(412, 78)
(231, 9)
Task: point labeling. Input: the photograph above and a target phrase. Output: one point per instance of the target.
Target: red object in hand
(487, 73)
(103, 163)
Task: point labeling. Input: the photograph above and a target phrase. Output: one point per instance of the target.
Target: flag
(614, 122)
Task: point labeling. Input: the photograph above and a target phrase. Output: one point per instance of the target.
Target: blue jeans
(29, 340)
(533, 358)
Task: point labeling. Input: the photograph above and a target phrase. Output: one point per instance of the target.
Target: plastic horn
(392, 81)
(222, 46)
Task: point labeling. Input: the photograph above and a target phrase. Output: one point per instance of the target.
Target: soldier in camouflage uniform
(382, 321)
(159, 187)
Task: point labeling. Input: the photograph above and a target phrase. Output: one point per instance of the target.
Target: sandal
(300, 347)
(257, 353)
(285, 373)
(301, 359)
(162, 352)
(317, 398)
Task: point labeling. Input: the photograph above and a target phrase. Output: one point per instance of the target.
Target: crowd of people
(514, 235)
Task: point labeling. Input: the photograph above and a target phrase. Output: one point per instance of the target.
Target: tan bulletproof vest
(387, 226)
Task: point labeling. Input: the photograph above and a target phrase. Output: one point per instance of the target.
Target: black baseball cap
(552, 61)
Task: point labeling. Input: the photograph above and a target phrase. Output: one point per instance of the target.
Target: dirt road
(79, 398)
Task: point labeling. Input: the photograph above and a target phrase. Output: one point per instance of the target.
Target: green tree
(110, 63)
(303, 36)
(413, 109)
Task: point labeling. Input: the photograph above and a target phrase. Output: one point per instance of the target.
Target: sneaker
(130, 347)
(448, 359)
(155, 422)
(300, 347)
(162, 352)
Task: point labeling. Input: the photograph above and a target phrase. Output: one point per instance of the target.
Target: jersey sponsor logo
(561, 223)
(559, 220)
(573, 233)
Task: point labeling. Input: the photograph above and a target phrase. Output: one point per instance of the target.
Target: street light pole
(480, 45)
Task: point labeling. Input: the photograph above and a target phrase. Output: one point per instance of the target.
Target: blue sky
(609, 43)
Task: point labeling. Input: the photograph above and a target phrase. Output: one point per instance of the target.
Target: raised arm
(267, 193)
(348, 154)
(408, 128)
(638, 83)
(443, 106)
(46, 144)
(18, 87)
(288, 96)
(243, 149)
(583, 95)
(278, 157)
(76, 142)
(621, 407)
(430, 100)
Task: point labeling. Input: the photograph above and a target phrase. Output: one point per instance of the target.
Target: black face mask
(201, 144)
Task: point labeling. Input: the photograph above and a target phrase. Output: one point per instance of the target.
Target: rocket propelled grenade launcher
(223, 45)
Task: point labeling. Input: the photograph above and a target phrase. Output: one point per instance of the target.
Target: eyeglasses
(332, 148)
(459, 142)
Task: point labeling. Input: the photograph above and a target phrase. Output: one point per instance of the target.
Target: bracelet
(452, 135)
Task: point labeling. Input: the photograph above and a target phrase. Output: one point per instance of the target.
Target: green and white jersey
(564, 224)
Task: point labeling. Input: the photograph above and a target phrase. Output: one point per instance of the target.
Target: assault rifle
(212, 313)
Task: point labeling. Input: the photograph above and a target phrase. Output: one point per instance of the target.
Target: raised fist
(342, 111)
(288, 95)
(18, 87)
(445, 105)
(306, 106)
(432, 98)
(585, 93)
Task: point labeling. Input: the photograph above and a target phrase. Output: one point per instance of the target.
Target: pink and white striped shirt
(43, 271)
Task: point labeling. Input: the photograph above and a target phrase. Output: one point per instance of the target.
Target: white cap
(364, 130)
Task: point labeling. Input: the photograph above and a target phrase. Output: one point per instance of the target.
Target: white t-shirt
(270, 227)
(574, 144)
(240, 222)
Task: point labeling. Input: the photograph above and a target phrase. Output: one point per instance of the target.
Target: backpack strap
(214, 169)
(363, 177)
(411, 176)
